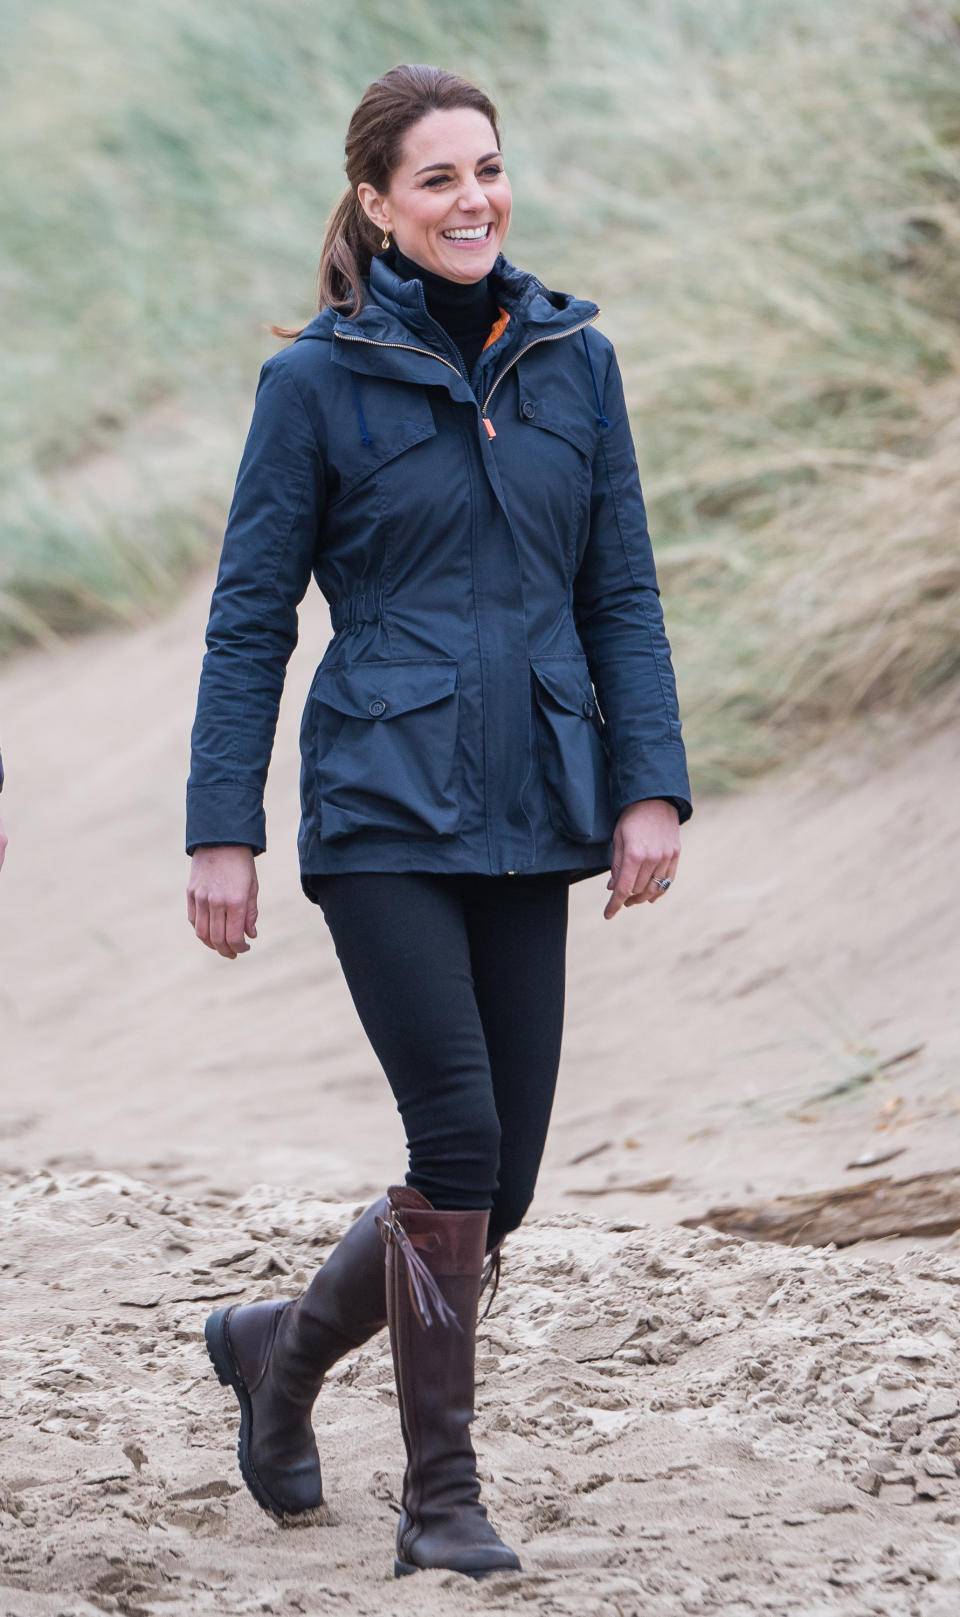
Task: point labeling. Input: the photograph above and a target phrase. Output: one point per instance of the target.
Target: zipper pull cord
(428, 1302)
(364, 434)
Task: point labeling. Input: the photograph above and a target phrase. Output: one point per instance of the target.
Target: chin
(472, 268)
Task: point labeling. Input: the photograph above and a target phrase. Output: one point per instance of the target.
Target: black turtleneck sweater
(465, 310)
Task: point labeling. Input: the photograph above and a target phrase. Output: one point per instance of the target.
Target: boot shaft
(435, 1261)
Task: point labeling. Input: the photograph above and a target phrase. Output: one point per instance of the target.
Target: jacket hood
(395, 307)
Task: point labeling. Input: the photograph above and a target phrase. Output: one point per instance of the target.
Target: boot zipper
(431, 354)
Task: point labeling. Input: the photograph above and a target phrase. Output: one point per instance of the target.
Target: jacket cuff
(225, 814)
(656, 771)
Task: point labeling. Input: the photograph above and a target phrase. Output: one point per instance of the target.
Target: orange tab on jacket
(497, 329)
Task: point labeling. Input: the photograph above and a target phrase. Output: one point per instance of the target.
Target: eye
(436, 181)
(492, 169)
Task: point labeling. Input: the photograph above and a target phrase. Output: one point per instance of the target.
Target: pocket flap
(567, 680)
(382, 690)
(386, 443)
(558, 421)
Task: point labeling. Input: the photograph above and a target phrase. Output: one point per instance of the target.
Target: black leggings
(459, 984)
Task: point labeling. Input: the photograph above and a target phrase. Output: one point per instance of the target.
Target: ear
(373, 206)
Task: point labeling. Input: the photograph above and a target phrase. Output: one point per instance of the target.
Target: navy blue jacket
(498, 685)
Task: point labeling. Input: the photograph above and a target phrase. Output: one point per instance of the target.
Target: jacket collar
(395, 310)
(393, 335)
(527, 301)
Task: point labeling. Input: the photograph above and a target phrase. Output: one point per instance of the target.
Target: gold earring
(385, 242)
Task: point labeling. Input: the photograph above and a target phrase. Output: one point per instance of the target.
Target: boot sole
(404, 1569)
(216, 1334)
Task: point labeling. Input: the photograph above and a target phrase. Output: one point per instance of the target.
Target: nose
(472, 197)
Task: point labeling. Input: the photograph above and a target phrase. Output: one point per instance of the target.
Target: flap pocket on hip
(387, 749)
(573, 754)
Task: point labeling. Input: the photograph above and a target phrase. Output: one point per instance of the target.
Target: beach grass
(764, 198)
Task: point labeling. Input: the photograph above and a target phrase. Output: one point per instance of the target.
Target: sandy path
(812, 936)
(668, 1423)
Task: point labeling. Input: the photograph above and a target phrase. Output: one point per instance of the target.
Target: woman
(446, 448)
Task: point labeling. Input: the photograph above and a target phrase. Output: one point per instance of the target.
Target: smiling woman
(446, 449)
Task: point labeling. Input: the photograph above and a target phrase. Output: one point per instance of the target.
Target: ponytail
(348, 248)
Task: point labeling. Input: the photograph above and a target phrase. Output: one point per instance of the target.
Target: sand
(670, 1421)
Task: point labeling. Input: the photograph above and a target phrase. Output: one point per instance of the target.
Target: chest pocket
(386, 748)
(380, 422)
(556, 446)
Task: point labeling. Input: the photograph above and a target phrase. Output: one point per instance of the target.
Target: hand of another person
(3, 843)
(222, 898)
(646, 849)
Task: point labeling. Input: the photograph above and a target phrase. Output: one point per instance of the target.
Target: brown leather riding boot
(275, 1355)
(434, 1265)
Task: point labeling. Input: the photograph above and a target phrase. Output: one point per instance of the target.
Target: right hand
(3, 843)
(222, 898)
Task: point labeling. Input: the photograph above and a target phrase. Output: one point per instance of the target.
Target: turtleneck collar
(456, 298)
(466, 311)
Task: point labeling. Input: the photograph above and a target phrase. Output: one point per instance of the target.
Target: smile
(471, 233)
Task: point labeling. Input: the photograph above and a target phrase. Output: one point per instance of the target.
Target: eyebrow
(485, 159)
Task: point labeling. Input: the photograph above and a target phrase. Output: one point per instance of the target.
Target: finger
(653, 891)
(618, 896)
(624, 885)
(616, 860)
(201, 924)
(612, 884)
(250, 919)
(667, 874)
(643, 872)
(641, 891)
(218, 931)
(234, 928)
(191, 908)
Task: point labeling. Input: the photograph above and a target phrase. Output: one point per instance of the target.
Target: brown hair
(374, 148)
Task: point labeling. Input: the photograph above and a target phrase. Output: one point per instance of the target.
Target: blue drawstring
(360, 417)
(593, 377)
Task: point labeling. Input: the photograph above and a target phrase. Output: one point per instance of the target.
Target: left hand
(646, 843)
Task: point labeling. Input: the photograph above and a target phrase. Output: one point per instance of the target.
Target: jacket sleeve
(265, 566)
(619, 620)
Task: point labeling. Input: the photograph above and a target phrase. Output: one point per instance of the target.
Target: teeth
(476, 233)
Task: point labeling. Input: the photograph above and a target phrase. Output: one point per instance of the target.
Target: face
(448, 206)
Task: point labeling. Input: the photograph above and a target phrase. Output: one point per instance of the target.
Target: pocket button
(587, 708)
(528, 409)
(378, 707)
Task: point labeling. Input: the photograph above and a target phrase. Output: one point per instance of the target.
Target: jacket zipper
(430, 354)
(407, 347)
(555, 337)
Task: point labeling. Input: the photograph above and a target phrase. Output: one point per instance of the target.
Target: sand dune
(671, 1422)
